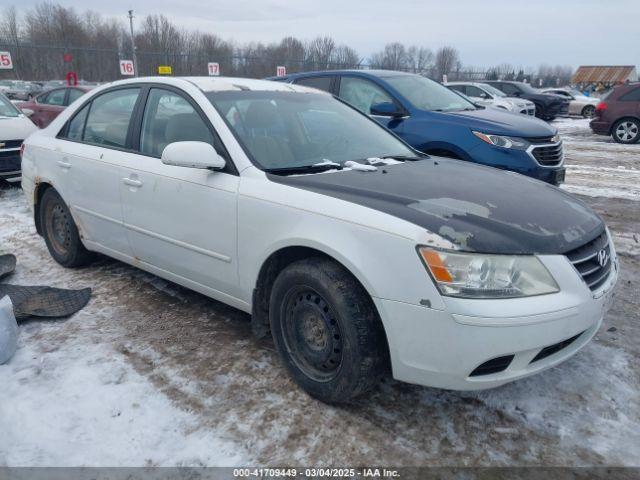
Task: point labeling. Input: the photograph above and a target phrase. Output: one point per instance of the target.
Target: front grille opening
(548, 155)
(555, 348)
(495, 365)
(586, 260)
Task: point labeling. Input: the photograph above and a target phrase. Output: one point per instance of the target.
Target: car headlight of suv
(476, 275)
(503, 141)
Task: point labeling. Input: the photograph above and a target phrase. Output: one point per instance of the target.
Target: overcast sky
(486, 32)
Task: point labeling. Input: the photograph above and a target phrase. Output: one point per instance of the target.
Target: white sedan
(579, 104)
(356, 253)
(487, 95)
(14, 128)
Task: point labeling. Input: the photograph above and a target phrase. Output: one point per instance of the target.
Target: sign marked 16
(213, 68)
(281, 71)
(5, 61)
(126, 67)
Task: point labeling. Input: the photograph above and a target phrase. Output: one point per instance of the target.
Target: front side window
(321, 83)
(6, 108)
(426, 94)
(459, 88)
(362, 93)
(281, 130)
(509, 89)
(473, 91)
(109, 117)
(55, 98)
(492, 90)
(169, 117)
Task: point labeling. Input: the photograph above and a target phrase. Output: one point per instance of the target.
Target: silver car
(579, 104)
(485, 94)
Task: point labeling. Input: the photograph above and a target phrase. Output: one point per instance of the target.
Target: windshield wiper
(322, 167)
(411, 158)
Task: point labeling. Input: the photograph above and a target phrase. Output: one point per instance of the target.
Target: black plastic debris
(41, 301)
(7, 264)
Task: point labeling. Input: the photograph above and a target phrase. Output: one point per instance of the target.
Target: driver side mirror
(386, 109)
(192, 155)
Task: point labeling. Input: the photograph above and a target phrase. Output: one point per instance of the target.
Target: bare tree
(447, 60)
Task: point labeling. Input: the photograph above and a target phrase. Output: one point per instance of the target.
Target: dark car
(435, 120)
(548, 106)
(618, 114)
(48, 105)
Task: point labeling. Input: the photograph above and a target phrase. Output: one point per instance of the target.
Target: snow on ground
(150, 373)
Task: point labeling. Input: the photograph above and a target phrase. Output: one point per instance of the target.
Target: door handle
(65, 165)
(131, 182)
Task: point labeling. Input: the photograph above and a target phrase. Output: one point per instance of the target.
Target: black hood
(479, 209)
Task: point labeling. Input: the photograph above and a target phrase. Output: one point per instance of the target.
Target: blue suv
(437, 121)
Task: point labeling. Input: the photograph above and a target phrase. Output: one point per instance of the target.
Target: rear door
(49, 107)
(181, 220)
(91, 153)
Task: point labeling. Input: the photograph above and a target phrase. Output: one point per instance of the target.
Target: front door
(181, 220)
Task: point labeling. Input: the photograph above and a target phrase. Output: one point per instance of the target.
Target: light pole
(133, 44)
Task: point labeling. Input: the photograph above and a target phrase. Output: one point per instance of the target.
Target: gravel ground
(150, 373)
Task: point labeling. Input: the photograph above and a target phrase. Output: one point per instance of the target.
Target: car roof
(364, 73)
(222, 84)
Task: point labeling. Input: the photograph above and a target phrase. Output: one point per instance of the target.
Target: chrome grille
(587, 261)
(10, 155)
(548, 155)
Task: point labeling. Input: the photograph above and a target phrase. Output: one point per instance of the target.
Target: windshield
(7, 109)
(492, 90)
(286, 130)
(426, 94)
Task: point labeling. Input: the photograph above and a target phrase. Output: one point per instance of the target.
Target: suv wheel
(326, 330)
(60, 232)
(626, 131)
(589, 111)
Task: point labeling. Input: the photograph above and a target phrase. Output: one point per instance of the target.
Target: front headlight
(503, 141)
(476, 275)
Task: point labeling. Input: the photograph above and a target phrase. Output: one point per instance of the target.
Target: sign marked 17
(126, 67)
(213, 69)
(5, 61)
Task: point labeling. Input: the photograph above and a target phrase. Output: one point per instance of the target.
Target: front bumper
(441, 348)
(518, 161)
(10, 164)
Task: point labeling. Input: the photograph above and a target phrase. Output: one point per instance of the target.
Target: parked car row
(485, 94)
(437, 121)
(357, 252)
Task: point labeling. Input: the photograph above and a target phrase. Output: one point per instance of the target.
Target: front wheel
(626, 131)
(60, 232)
(326, 330)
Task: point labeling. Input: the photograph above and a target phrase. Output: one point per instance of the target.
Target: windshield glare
(292, 129)
(7, 109)
(492, 90)
(426, 94)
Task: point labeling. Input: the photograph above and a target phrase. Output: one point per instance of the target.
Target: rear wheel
(626, 131)
(326, 330)
(589, 111)
(60, 232)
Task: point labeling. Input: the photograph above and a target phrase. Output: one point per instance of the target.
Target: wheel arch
(618, 120)
(40, 188)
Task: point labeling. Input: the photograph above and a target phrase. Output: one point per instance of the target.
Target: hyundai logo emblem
(603, 257)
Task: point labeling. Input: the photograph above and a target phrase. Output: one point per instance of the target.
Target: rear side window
(169, 117)
(76, 125)
(109, 117)
(632, 96)
(74, 94)
(321, 83)
(55, 98)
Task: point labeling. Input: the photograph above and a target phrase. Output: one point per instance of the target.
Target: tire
(326, 330)
(626, 131)
(588, 111)
(60, 232)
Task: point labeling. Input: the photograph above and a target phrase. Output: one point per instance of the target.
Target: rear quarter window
(632, 96)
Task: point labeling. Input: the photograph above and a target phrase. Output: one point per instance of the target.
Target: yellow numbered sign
(164, 70)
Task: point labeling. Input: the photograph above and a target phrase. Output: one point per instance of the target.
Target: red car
(618, 114)
(48, 105)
